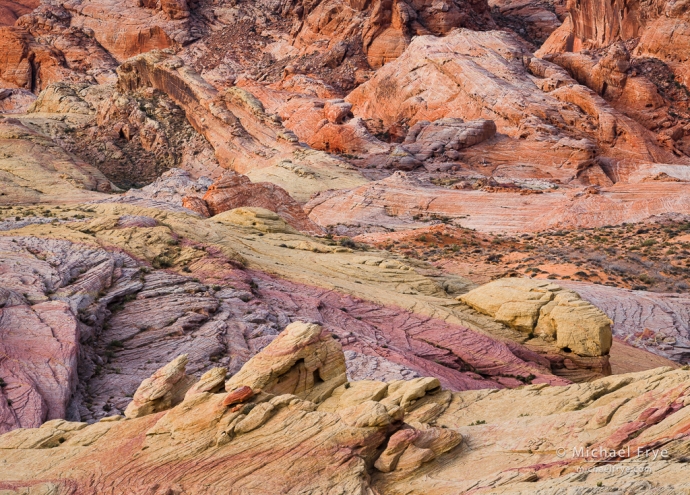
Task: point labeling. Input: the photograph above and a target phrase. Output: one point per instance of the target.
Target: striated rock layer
(315, 435)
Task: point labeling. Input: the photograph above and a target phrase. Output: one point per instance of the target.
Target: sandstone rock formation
(15, 100)
(36, 170)
(11, 10)
(132, 138)
(532, 20)
(250, 296)
(243, 135)
(303, 361)
(234, 191)
(651, 321)
(545, 309)
(164, 389)
(535, 104)
(398, 199)
(371, 436)
(43, 47)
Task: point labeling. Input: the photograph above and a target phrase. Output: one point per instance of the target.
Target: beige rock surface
(545, 309)
(303, 361)
(375, 438)
(164, 389)
(34, 169)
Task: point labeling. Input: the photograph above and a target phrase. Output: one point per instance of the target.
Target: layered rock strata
(368, 436)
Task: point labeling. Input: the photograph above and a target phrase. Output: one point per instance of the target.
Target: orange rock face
(234, 191)
(11, 10)
(237, 396)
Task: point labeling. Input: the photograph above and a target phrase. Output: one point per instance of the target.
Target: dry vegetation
(653, 256)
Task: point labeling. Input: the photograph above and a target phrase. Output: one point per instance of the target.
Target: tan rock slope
(34, 169)
(309, 429)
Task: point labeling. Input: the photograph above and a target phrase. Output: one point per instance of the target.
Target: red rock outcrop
(596, 23)
(533, 20)
(131, 29)
(384, 28)
(24, 63)
(659, 29)
(490, 75)
(235, 124)
(318, 102)
(234, 191)
(44, 48)
(11, 10)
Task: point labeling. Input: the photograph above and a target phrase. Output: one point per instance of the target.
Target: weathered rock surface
(234, 191)
(656, 322)
(44, 47)
(535, 103)
(132, 138)
(11, 10)
(177, 307)
(15, 100)
(244, 136)
(40, 334)
(194, 312)
(132, 319)
(396, 200)
(303, 361)
(35, 170)
(533, 20)
(367, 436)
(169, 191)
(545, 309)
(164, 389)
